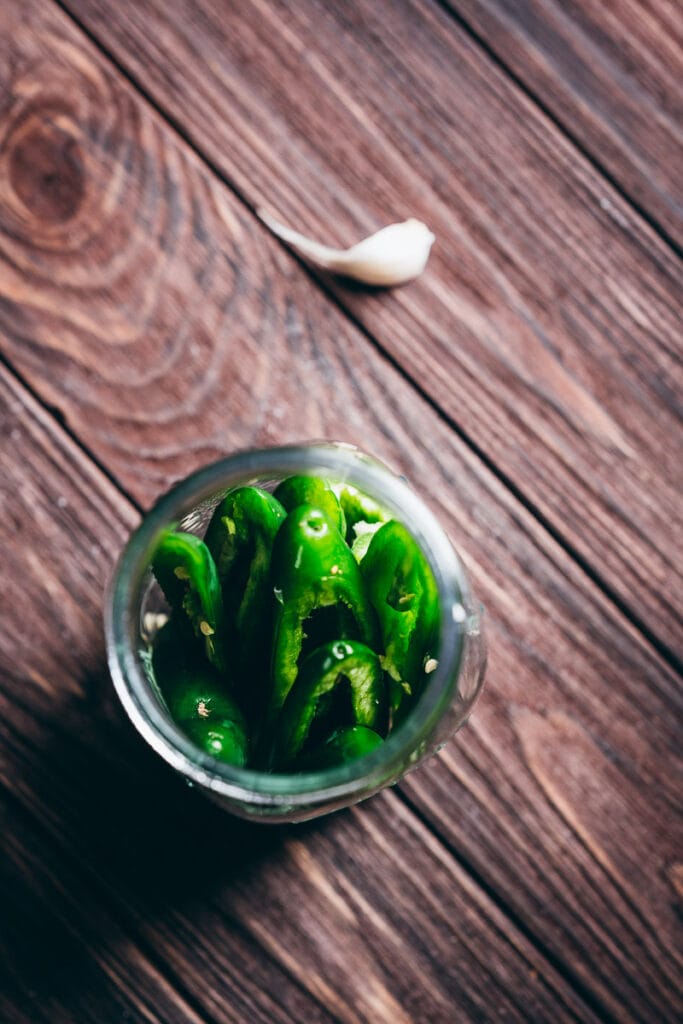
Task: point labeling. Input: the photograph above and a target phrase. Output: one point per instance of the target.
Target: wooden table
(528, 384)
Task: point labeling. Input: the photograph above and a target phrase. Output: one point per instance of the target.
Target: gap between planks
(100, 886)
(588, 996)
(450, 8)
(653, 640)
(509, 484)
(102, 891)
(59, 421)
(585, 994)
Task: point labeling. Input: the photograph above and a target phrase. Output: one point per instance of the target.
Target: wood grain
(213, 338)
(366, 911)
(611, 75)
(548, 324)
(72, 763)
(65, 957)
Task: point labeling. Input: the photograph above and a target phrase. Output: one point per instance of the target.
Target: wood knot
(46, 172)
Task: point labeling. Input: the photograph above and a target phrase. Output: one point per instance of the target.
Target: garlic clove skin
(392, 256)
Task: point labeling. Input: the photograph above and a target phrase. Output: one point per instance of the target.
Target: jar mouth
(339, 461)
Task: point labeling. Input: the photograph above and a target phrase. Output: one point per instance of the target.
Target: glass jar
(134, 599)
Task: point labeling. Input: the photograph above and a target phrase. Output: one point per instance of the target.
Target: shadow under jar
(447, 692)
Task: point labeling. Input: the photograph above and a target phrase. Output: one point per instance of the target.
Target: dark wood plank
(157, 380)
(366, 910)
(548, 322)
(61, 524)
(611, 74)
(64, 957)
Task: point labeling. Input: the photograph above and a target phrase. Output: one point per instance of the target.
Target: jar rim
(339, 461)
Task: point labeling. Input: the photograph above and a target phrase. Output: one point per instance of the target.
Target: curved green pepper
(186, 573)
(196, 699)
(240, 537)
(312, 568)
(342, 746)
(246, 519)
(358, 507)
(363, 534)
(340, 610)
(223, 738)
(404, 593)
(311, 490)
(320, 673)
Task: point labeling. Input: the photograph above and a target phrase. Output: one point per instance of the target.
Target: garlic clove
(392, 256)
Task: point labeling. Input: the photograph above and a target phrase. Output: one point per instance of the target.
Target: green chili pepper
(403, 591)
(223, 738)
(311, 490)
(189, 688)
(240, 538)
(342, 746)
(363, 534)
(186, 573)
(177, 656)
(321, 672)
(312, 568)
(358, 507)
(247, 519)
(333, 622)
(340, 616)
(196, 698)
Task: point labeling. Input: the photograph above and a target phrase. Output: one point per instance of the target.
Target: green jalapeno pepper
(312, 568)
(223, 738)
(244, 523)
(342, 746)
(321, 672)
(240, 538)
(186, 573)
(363, 534)
(311, 490)
(328, 609)
(358, 507)
(196, 698)
(403, 591)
